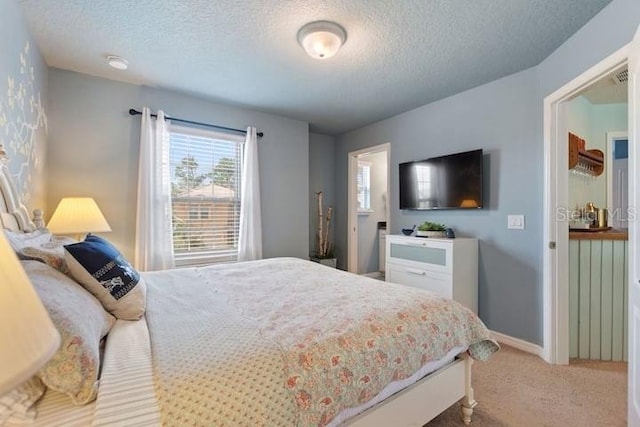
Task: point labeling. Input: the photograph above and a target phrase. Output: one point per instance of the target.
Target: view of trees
(187, 176)
(198, 232)
(224, 173)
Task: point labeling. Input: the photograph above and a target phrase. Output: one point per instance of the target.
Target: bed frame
(424, 400)
(13, 214)
(413, 406)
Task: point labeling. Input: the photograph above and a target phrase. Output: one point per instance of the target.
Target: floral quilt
(290, 342)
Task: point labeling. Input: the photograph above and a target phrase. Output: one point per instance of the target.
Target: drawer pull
(416, 272)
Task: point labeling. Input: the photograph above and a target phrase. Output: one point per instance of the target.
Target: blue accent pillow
(98, 266)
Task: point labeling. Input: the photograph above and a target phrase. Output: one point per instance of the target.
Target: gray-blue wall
(499, 118)
(321, 178)
(504, 118)
(93, 151)
(23, 105)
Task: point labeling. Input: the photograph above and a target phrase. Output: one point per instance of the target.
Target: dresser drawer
(438, 283)
(447, 267)
(429, 255)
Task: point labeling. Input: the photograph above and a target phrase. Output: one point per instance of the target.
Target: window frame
(365, 192)
(195, 258)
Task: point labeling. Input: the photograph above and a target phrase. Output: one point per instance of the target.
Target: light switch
(515, 222)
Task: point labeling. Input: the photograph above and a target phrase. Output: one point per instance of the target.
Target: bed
(280, 341)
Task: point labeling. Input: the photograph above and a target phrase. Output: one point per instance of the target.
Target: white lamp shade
(28, 338)
(321, 39)
(76, 215)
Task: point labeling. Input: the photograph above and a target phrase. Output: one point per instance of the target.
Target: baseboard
(523, 345)
(374, 275)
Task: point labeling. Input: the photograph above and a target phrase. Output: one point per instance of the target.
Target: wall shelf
(590, 162)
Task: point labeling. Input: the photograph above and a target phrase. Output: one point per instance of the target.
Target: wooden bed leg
(468, 402)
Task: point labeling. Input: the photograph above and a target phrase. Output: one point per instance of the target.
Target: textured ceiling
(399, 54)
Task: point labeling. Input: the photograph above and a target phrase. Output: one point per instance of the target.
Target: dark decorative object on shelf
(408, 231)
(449, 233)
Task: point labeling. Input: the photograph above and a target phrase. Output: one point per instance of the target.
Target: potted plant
(324, 248)
(431, 229)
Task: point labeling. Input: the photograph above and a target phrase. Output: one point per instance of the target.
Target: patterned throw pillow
(51, 253)
(104, 272)
(17, 406)
(81, 321)
(41, 246)
(19, 240)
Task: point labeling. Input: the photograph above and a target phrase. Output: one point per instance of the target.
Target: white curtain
(250, 239)
(154, 241)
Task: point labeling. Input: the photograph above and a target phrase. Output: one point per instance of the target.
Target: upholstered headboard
(13, 214)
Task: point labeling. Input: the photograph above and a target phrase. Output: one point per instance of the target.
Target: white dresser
(448, 267)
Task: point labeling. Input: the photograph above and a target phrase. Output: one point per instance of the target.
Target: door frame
(556, 209)
(352, 195)
(611, 137)
(633, 312)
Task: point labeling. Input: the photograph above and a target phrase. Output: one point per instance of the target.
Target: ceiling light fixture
(117, 62)
(321, 39)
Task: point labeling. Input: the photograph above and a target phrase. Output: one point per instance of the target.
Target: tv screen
(446, 182)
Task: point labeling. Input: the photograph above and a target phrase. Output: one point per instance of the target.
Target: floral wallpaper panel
(23, 124)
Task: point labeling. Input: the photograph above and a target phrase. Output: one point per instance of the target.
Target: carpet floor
(515, 388)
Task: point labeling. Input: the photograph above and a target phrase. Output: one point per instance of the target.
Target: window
(364, 187)
(205, 195)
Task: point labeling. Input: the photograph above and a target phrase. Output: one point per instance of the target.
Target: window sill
(364, 212)
(203, 258)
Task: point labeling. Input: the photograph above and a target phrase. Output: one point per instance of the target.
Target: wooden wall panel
(598, 299)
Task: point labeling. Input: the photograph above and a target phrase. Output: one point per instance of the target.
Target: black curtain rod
(133, 112)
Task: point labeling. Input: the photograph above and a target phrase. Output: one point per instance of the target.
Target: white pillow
(19, 240)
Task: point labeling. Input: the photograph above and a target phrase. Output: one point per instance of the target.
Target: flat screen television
(446, 182)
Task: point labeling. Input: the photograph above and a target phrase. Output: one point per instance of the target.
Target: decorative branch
(320, 224)
(324, 247)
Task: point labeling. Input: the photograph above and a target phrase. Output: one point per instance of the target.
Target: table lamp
(469, 203)
(29, 338)
(77, 215)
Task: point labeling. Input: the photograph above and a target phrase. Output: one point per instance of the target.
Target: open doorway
(597, 220)
(570, 190)
(368, 209)
(556, 231)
